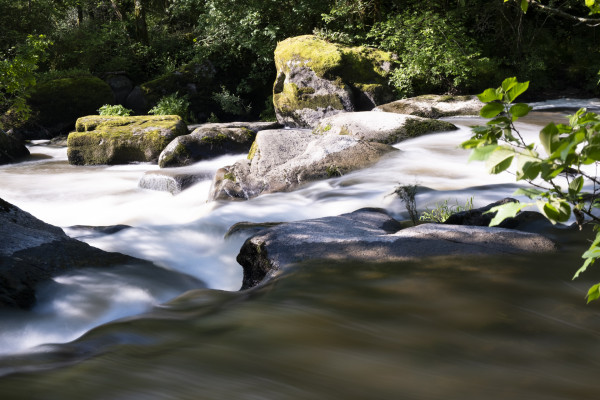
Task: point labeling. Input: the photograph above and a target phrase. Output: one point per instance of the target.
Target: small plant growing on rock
(172, 105)
(443, 211)
(118, 110)
(407, 194)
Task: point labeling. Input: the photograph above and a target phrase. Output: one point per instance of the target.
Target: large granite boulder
(211, 140)
(58, 103)
(32, 251)
(316, 79)
(372, 235)
(121, 140)
(434, 106)
(283, 159)
(380, 127)
(11, 149)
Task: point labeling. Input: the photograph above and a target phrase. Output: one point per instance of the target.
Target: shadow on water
(441, 328)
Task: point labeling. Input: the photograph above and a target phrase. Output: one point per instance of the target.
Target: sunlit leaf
(508, 210)
(517, 90)
(482, 153)
(529, 192)
(490, 110)
(489, 95)
(520, 110)
(499, 160)
(593, 293)
(556, 211)
(548, 136)
(576, 185)
(528, 167)
(508, 83)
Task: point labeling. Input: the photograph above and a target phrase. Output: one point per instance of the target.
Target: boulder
(373, 236)
(211, 140)
(121, 86)
(121, 140)
(434, 106)
(282, 159)
(58, 103)
(173, 180)
(11, 149)
(380, 127)
(32, 251)
(316, 79)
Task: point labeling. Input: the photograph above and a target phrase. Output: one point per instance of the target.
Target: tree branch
(591, 22)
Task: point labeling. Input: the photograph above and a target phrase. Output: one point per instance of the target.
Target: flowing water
(445, 328)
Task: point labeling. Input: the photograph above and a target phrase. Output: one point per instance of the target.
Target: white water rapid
(183, 234)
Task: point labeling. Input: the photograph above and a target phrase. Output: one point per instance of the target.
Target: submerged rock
(372, 235)
(281, 160)
(211, 140)
(175, 180)
(316, 79)
(11, 149)
(380, 127)
(32, 251)
(434, 106)
(121, 140)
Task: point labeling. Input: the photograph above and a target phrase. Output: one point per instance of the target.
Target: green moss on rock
(120, 140)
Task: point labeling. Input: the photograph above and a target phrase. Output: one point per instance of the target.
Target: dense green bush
(172, 105)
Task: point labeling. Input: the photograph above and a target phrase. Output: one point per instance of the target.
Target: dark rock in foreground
(32, 251)
(372, 235)
(11, 149)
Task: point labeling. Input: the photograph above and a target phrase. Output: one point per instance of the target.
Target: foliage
(562, 172)
(17, 76)
(172, 105)
(118, 109)
(407, 194)
(231, 103)
(443, 211)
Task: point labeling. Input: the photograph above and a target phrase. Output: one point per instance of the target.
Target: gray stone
(173, 180)
(32, 251)
(11, 149)
(316, 79)
(380, 127)
(211, 140)
(434, 106)
(281, 160)
(373, 236)
(121, 86)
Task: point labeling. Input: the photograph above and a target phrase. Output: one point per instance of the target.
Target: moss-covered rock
(121, 140)
(211, 140)
(316, 78)
(434, 106)
(11, 149)
(58, 103)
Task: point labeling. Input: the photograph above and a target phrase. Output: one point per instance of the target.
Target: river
(468, 328)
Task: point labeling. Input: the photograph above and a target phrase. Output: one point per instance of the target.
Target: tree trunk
(141, 28)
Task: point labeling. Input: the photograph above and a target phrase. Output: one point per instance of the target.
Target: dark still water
(493, 328)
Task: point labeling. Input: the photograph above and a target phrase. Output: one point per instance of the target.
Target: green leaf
(472, 143)
(590, 3)
(593, 293)
(517, 90)
(556, 211)
(489, 95)
(482, 153)
(592, 152)
(576, 185)
(528, 167)
(508, 210)
(520, 110)
(586, 264)
(490, 110)
(508, 83)
(549, 136)
(500, 159)
(529, 192)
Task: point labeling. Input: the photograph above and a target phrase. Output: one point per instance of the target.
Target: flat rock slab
(434, 106)
(381, 127)
(372, 235)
